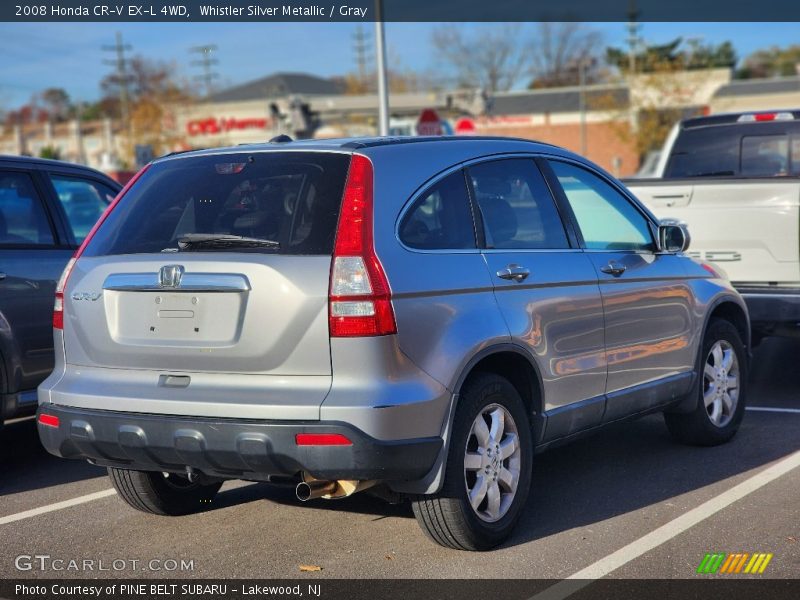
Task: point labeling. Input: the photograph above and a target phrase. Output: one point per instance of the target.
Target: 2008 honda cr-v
(419, 315)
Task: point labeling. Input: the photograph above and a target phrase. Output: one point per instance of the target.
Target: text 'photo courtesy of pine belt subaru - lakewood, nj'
(412, 316)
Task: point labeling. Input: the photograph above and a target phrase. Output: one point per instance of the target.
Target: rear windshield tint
(291, 198)
(751, 150)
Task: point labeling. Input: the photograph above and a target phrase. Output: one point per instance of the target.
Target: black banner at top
(398, 10)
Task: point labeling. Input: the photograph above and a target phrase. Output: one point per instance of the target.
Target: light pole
(380, 62)
(582, 102)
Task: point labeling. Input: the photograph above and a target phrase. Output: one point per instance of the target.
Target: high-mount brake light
(762, 117)
(58, 306)
(359, 300)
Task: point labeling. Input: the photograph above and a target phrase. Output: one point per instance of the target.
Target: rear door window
(83, 200)
(516, 205)
(23, 220)
(276, 202)
(441, 218)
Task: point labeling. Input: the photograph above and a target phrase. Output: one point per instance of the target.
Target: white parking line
(57, 506)
(770, 409)
(666, 532)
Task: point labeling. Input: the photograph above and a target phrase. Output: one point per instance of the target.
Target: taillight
(360, 301)
(58, 307)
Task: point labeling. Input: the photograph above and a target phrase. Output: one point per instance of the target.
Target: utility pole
(206, 61)
(121, 65)
(582, 101)
(633, 36)
(361, 50)
(380, 59)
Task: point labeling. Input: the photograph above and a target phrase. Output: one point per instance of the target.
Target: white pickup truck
(734, 180)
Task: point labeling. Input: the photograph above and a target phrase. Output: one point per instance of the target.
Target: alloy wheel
(721, 383)
(492, 463)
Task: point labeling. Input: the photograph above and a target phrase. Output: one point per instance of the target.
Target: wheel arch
(507, 360)
(728, 309)
(515, 364)
(731, 309)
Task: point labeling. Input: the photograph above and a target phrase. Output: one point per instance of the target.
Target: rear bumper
(230, 448)
(770, 307)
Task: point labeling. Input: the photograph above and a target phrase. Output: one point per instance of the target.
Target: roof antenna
(280, 139)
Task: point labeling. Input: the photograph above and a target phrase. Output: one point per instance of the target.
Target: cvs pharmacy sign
(213, 125)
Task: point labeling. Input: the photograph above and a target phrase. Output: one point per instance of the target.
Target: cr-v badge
(87, 296)
(170, 276)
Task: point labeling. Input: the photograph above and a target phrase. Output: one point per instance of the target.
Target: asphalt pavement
(627, 502)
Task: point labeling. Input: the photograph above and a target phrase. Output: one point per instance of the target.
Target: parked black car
(46, 209)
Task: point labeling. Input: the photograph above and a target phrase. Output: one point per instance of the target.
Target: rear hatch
(206, 288)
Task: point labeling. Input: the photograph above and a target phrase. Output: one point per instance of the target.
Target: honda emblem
(170, 276)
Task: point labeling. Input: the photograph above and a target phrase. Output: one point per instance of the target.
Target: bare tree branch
(557, 51)
(491, 59)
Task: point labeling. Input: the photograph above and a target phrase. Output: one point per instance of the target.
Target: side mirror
(673, 237)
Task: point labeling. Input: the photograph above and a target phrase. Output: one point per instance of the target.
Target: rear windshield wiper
(213, 241)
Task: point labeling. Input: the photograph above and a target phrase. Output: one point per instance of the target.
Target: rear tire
(720, 390)
(160, 494)
(489, 461)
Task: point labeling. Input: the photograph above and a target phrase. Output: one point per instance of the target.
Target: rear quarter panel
(443, 301)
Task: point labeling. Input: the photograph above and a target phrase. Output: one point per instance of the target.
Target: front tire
(720, 392)
(162, 493)
(488, 471)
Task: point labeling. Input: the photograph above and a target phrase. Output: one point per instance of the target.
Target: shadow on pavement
(25, 465)
(616, 471)
(633, 465)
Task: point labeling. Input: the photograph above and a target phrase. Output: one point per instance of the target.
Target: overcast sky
(35, 56)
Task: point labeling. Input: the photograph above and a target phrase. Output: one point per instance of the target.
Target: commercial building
(599, 121)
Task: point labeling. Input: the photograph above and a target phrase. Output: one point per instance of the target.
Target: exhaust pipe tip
(308, 490)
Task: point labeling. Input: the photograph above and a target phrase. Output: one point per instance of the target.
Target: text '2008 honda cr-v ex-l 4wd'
(417, 316)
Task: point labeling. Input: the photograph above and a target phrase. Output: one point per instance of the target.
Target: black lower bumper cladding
(229, 448)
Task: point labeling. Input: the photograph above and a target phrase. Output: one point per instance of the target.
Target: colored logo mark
(738, 562)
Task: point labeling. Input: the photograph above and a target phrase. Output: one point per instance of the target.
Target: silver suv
(418, 316)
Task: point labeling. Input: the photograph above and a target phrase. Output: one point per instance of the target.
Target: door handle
(2, 276)
(613, 268)
(514, 272)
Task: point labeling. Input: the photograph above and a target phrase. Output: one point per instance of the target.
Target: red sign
(429, 123)
(212, 125)
(465, 126)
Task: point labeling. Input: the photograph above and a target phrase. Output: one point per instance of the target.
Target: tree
(27, 113)
(654, 58)
(656, 100)
(771, 62)
(153, 90)
(57, 103)
(51, 152)
(560, 50)
(491, 58)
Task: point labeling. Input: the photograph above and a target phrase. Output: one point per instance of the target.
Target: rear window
(752, 150)
(275, 202)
